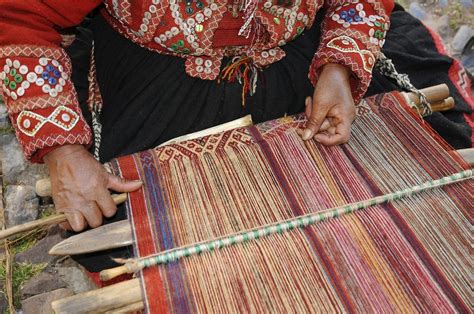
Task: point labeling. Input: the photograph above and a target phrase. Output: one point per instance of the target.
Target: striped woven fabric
(410, 255)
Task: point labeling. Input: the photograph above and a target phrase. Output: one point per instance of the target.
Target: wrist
(334, 71)
(62, 151)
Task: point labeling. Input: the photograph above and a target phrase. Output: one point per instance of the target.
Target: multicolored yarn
(287, 225)
(243, 70)
(411, 254)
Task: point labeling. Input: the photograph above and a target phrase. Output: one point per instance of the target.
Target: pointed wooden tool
(114, 235)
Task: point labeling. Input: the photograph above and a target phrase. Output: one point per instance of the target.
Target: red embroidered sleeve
(353, 33)
(35, 72)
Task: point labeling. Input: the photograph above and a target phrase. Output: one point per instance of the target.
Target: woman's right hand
(80, 187)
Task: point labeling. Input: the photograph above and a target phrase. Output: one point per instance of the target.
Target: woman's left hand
(331, 111)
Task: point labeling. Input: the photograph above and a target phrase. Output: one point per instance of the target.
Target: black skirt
(148, 98)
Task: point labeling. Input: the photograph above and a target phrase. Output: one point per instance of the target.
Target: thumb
(121, 185)
(314, 122)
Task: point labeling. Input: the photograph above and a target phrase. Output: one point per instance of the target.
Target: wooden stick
(433, 94)
(51, 220)
(132, 308)
(113, 297)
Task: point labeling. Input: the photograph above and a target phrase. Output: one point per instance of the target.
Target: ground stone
(21, 204)
(38, 254)
(75, 278)
(16, 170)
(41, 303)
(44, 282)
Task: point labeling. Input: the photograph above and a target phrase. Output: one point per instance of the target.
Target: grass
(22, 272)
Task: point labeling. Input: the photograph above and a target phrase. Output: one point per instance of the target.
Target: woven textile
(409, 255)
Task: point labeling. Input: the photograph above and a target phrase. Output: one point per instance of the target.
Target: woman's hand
(80, 187)
(331, 111)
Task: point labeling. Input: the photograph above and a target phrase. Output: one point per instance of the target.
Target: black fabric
(148, 97)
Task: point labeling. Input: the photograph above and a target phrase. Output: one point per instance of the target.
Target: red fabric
(28, 34)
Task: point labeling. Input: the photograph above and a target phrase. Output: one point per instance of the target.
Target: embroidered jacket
(35, 70)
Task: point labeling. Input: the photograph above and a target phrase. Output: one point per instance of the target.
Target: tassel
(243, 70)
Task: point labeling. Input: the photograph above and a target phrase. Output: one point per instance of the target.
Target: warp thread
(135, 265)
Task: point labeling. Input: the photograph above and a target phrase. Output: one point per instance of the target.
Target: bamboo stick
(51, 220)
(118, 296)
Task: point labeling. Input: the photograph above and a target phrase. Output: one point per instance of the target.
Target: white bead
(62, 82)
(7, 91)
(20, 91)
(168, 34)
(143, 28)
(64, 75)
(25, 84)
(359, 7)
(43, 61)
(207, 70)
(199, 68)
(156, 1)
(300, 16)
(23, 69)
(157, 40)
(175, 14)
(207, 12)
(199, 61)
(200, 17)
(146, 21)
(194, 45)
(55, 63)
(38, 69)
(267, 5)
(213, 6)
(190, 39)
(46, 88)
(26, 123)
(6, 68)
(60, 68)
(152, 8)
(293, 15)
(53, 92)
(265, 54)
(31, 77)
(272, 52)
(191, 22)
(59, 88)
(13, 95)
(163, 37)
(280, 11)
(362, 14)
(147, 15)
(2, 75)
(39, 81)
(65, 117)
(208, 63)
(9, 63)
(174, 30)
(16, 64)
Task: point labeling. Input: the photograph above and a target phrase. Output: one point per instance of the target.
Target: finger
(325, 126)
(92, 214)
(314, 123)
(308, 108)
(121, 185)
(106, 204)
(75, 220)
(329, 139)
(344, 128)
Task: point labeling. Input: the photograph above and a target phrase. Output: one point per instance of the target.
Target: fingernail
(306, 134)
